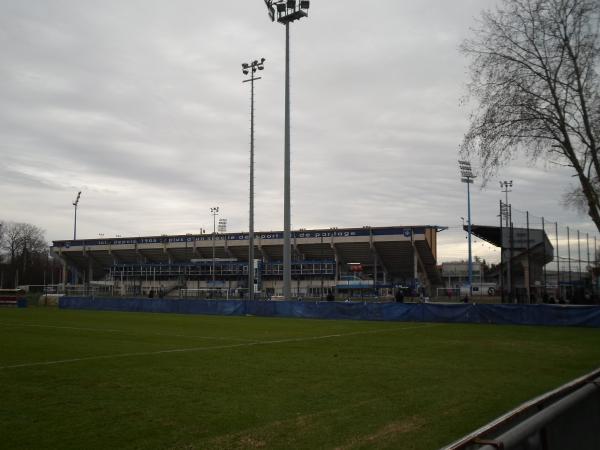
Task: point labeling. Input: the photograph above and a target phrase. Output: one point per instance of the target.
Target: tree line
(25, 257)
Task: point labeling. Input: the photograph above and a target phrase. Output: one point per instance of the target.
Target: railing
(208, 293)
(228, 268)
(566, 418)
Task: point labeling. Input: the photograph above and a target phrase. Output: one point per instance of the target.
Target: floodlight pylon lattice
(467, 177)
(222, 226)
(260, 66)
(505, 187)
(215, 212)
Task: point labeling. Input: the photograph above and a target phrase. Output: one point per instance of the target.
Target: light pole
(505, 187)
(287, 12)
(467, 177)
(215, 212)
(75, 203)
(251, 68)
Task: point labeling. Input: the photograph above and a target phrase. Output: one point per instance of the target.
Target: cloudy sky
(141, 105)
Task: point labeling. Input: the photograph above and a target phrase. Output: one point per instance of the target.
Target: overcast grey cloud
(140, 105)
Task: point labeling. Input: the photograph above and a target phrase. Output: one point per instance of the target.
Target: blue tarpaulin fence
(550, 315)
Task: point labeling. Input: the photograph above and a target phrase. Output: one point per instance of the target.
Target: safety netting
(549, 315)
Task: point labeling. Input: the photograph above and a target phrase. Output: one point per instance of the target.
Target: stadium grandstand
(362, 261)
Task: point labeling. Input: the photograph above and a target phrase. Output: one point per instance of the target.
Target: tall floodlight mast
(215, 212)
(467, 177)
(75, 203)
(505, 187)
(287, 11)
(251, 68)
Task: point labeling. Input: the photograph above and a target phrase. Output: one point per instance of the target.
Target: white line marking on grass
(17, 325)
(110, 330)
(216, 347)
(125, 355)
(213, 338)
(386, 330)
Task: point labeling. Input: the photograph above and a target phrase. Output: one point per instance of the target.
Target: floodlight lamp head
(245, 71)
(245, 65)
(262, 60)
(465, 170)
(270, 9)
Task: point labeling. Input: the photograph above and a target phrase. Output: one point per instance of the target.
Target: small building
(455, 274)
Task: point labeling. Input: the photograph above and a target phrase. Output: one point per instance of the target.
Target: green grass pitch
(102, 380)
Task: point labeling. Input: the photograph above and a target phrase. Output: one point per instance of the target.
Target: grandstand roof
(392, 246)
(533, 242)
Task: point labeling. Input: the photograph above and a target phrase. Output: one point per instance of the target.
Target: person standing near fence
(399, 296)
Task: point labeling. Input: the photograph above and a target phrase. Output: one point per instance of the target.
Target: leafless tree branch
(534, 74)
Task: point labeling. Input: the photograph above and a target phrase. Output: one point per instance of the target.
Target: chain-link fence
(568, 269)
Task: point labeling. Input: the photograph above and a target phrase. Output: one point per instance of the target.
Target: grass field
(102, 380)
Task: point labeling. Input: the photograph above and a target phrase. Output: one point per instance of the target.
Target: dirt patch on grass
(251, 442)
(296, 431)
(263, 436)
(385, 433)
(284, 431)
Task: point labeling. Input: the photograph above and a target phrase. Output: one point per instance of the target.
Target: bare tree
(2, 230)
(26, 247)
(23, 237)
(2, 265)
(534, 75)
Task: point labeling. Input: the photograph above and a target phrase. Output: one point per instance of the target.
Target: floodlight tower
(246, 69)
(505, 187)
(287, 12)
(215, 212)
(467, 177)
(75, 203)
(222, 228)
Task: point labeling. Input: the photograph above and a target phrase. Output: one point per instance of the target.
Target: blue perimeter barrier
(549, 315)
